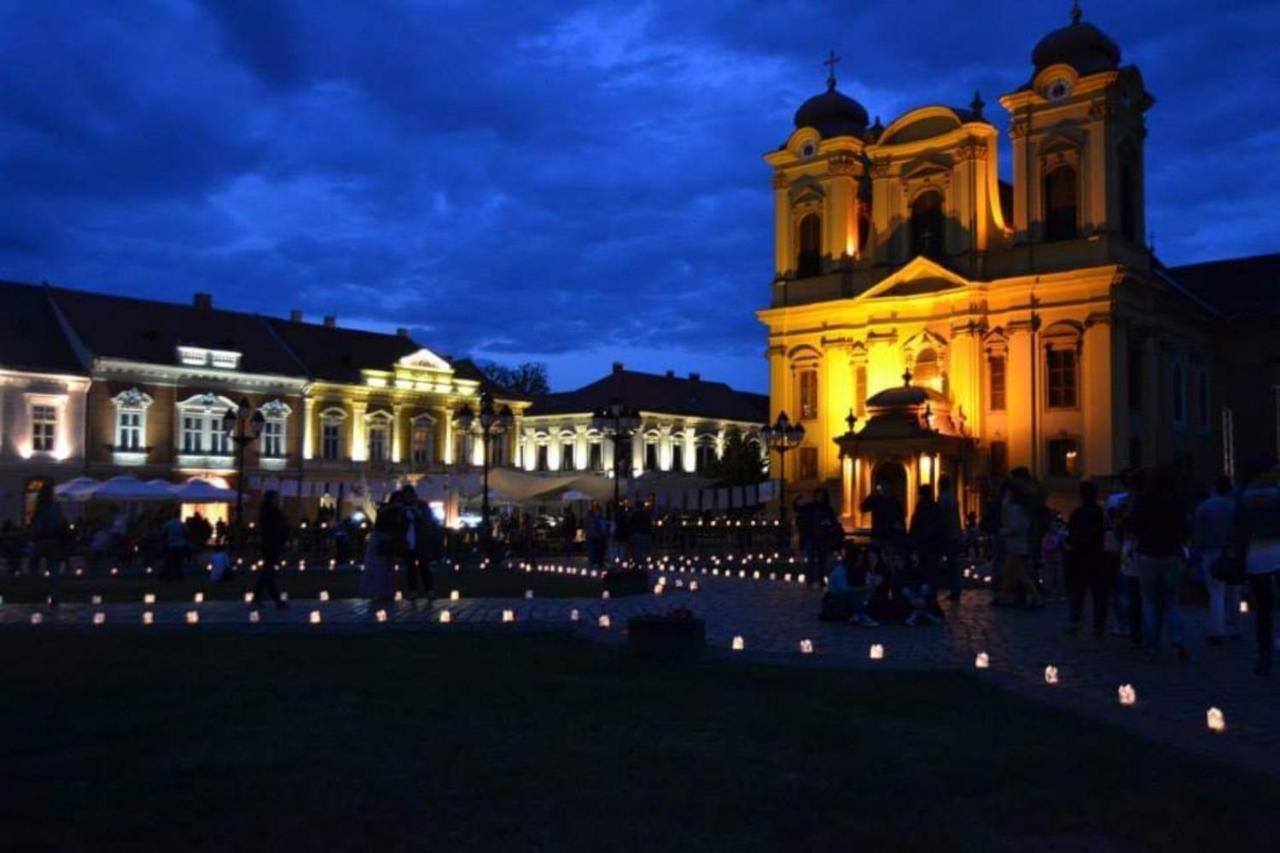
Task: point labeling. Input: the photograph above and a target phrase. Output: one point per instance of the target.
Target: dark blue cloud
(551, 180)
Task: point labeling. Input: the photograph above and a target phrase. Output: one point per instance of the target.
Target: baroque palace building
(927, 317)
(104, 385)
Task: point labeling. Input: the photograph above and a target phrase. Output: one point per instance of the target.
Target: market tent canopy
(79, 489)
(126, 489)
(198, 491)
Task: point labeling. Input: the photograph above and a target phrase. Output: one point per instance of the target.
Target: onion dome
(832, 113)
(1083, 46)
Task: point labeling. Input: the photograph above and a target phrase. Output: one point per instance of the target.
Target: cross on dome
(830, 62)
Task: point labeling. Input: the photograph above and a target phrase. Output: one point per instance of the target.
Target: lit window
(131, 419)
(808, 395)
(422, 443)
(273, 438)
(926, 371)
(331, 439)
(997, 365)
(1062, 378)
(192, 433)
(378, 433)
(860, 390)
(44, 428)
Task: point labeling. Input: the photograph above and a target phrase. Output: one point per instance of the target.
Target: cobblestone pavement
(774, 617)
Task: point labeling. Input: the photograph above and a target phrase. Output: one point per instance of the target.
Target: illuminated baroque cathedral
(928, 318)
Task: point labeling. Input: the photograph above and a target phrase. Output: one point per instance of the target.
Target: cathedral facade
(927, 318)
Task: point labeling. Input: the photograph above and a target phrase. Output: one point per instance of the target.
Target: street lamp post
(493, 422)
(243, 425)
(781, 437)
(619, 423)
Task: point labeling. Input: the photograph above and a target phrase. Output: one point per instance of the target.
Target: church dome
(905, 396)
(833, 114)
(1083, 46)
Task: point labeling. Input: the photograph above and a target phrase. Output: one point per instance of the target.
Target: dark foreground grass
(470, 583)
(164, 742)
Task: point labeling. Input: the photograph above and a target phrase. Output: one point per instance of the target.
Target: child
(220, 563)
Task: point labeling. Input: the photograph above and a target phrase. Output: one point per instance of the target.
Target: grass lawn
(526, 743)
(471, 583)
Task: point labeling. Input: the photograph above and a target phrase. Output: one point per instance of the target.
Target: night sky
(566, 182)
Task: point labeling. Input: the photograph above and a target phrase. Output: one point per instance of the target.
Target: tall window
(808, 395)
(273, 438)
(377, 435)
(998, 381)
(926, 369)
(192, 433)
(498, 450)
(542, 463)
(1061, 371)
(808, 463)
(331, 439)
(651, 456)
(596, 456)
(809, 257)
(705, 457)
(1178, 393)
(44, 428)
(677, 456)
(131, 419)
(567, 456)
(860, 390)
(1060, 204)
(927, 225)
(422, 440)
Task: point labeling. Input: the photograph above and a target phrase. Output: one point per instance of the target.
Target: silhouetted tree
(741, 463)
(525, 380)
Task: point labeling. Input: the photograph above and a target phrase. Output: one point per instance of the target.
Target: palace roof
(1236, 287)
(665, 394)
(31, 338)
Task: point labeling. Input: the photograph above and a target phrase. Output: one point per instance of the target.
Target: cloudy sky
(567, 182)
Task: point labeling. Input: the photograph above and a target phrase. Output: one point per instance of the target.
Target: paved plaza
(773, 618)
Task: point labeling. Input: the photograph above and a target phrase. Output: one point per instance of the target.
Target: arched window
(927, 225)
(809, 259)
(1060, 204)
(926, 369)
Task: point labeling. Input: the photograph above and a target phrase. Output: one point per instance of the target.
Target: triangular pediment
(920, 276)
(425, 359)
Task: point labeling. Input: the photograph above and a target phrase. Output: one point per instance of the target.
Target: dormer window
(202, 357)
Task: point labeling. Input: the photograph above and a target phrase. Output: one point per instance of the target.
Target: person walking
(1015, 530)
(1087, 567)
(423, 538)
(1259, 516)
(1211, 530)
(952, 535)
(273, 533)
(1160, 531)
(47, 526)
(174, 534)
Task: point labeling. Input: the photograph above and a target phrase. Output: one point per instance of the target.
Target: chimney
(295, 316)
(617, 367)
(694, 377)
(203, 300)
(671, 374)
(402, 332)
(330, 321)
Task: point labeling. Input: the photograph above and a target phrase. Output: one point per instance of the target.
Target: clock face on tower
(1058, 88)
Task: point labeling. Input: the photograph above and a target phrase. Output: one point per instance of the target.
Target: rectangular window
(192, 434)
(129, 430)
(331, 440)
(999, 459)
(1064, 457)
(808, 463)
(44, 428)
(377, 442)
(497, 450)
(677, 456)
(705, 457)
(543, 464)
(860, 390)
(997, 389)
(808, 395)
(566, 456)
(273, 438)
(422, 441)
(1061, 364)
(651, 456)
(596, 460)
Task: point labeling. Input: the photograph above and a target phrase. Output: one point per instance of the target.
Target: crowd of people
(1130, 557)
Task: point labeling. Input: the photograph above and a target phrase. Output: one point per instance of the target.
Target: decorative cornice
(780, 181)
(841, 165)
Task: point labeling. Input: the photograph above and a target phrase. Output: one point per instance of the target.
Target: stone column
(308, 427)
(359, 448)
(784, 257)
(1098, 397)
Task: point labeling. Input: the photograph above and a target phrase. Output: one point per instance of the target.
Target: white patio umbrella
(126, 489)
(79, 489)
(575, 495)
(197, 491)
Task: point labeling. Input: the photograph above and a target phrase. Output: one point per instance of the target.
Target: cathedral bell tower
(820, 186)
(1078, 134)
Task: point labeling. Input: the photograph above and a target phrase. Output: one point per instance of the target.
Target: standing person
(824, 536)
(952, 534)
(273, 532)
(384, 548)
(927, 538)
(421, 540)
(529, 538)
(1211, 532)
(641, 524)
(1160, 531)
(1121, 508)
(1086, 561)
(1015, 530)
(568, 530)
(46, 540)
(174, 535)
(1259, 516)
(990, 528)
(596, 535)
